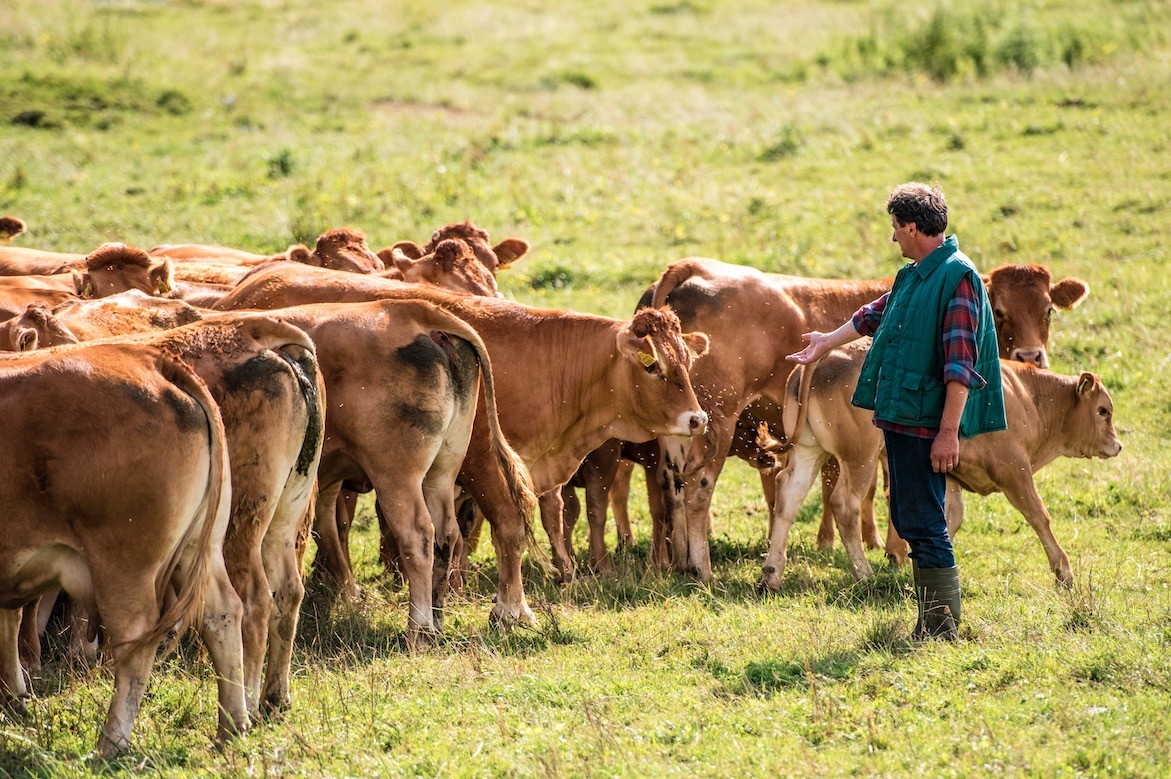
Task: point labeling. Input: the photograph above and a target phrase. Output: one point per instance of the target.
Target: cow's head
(452, 265)
(657, 357)
(341, 249)
(1091, 424)
(116, 267)
(494, 258)
(1023, 300)
(34, 329)
(10, 227)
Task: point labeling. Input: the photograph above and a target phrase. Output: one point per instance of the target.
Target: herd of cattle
(178, 423)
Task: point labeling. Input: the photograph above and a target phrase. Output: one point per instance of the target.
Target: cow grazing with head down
(116, 267)
(1049, 416)
(595, 378)
(133, 435)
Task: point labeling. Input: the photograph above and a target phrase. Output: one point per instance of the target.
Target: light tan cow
(567, 382)
(134, 436)
(20, 261)
(1049, 416)
(402, 380)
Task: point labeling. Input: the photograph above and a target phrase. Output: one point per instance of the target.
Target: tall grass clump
(966, 41)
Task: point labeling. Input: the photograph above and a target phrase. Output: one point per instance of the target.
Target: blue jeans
(917, 496)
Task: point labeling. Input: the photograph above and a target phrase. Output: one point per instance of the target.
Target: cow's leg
(698, 491)
(1022, 494)
(510, 523)
(830, 472)
(284, 576)
(597, 496)
(954, 507)
(83, 634)
(660, 529)
(30, 636)
(620, 502)
(869, 527)
(570, 512)
(332, 562)
(221, 634)
(246, 570)
(673, 453)
(130, 619)
(846, 502)
(13, 690)
(552, 508)
(793, 484)
(439, 494)
(388, 552)
(406, 512)
(469, 521)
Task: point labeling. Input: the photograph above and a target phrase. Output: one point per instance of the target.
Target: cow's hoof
(825, 543)
(274, 706)
(421, 638)
(505, 617)
(16, 708)
(1065, 580)
(770, 582)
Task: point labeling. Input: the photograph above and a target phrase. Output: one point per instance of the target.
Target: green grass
(617, 137)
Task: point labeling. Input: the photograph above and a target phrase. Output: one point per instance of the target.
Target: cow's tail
(186, 607)
(675, 275)
(788, 440)
(512, 468)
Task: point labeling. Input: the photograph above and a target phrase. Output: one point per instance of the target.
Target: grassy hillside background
(617, 137)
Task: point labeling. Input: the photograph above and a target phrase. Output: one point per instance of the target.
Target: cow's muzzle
(1035, 356)
(692, 423)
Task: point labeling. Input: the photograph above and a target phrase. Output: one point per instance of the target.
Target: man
(931, 376)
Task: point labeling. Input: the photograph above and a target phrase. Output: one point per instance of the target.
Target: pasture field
(617, 136)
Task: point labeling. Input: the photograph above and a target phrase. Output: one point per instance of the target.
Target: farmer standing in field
(932, 375)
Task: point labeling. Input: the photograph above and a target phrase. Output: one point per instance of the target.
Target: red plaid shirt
(959, 344)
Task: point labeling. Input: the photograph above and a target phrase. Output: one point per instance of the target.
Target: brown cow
(402, 380)
(494, 258)
(18, 292)
(594, 378)
(88, 320)
(1049, 416)
(134, 436)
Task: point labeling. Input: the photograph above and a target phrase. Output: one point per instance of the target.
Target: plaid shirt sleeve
(867, 318)
(959, 337)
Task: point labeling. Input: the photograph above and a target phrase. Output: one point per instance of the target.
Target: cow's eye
(1103, 411)
(998, 314)
(1048, 315)
(652, 369)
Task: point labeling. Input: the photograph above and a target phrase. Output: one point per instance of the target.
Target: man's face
(903, 236)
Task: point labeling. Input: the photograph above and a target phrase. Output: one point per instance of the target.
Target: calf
(134, 436)
(1049, 416)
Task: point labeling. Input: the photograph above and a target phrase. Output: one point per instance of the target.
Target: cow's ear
(161, 278)
(1067, 293)
(399, 259)
(409, 249)
(82, 284)
(26, 339)
(987, 281)
(509, 251)
(697, 344)
(302, 255)
(1086, 383)
(639, 349)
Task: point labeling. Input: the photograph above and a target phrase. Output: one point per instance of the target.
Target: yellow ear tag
(647, 360)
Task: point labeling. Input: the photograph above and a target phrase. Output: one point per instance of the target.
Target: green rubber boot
(938, 592)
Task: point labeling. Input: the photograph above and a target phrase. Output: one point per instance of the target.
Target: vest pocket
(921, 398)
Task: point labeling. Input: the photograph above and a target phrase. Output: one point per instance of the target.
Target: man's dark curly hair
(921, 204)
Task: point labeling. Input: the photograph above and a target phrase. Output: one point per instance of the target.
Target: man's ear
(161, 277)
(509, 251)
(697, 343)
(1068, 292)
(82, 284)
